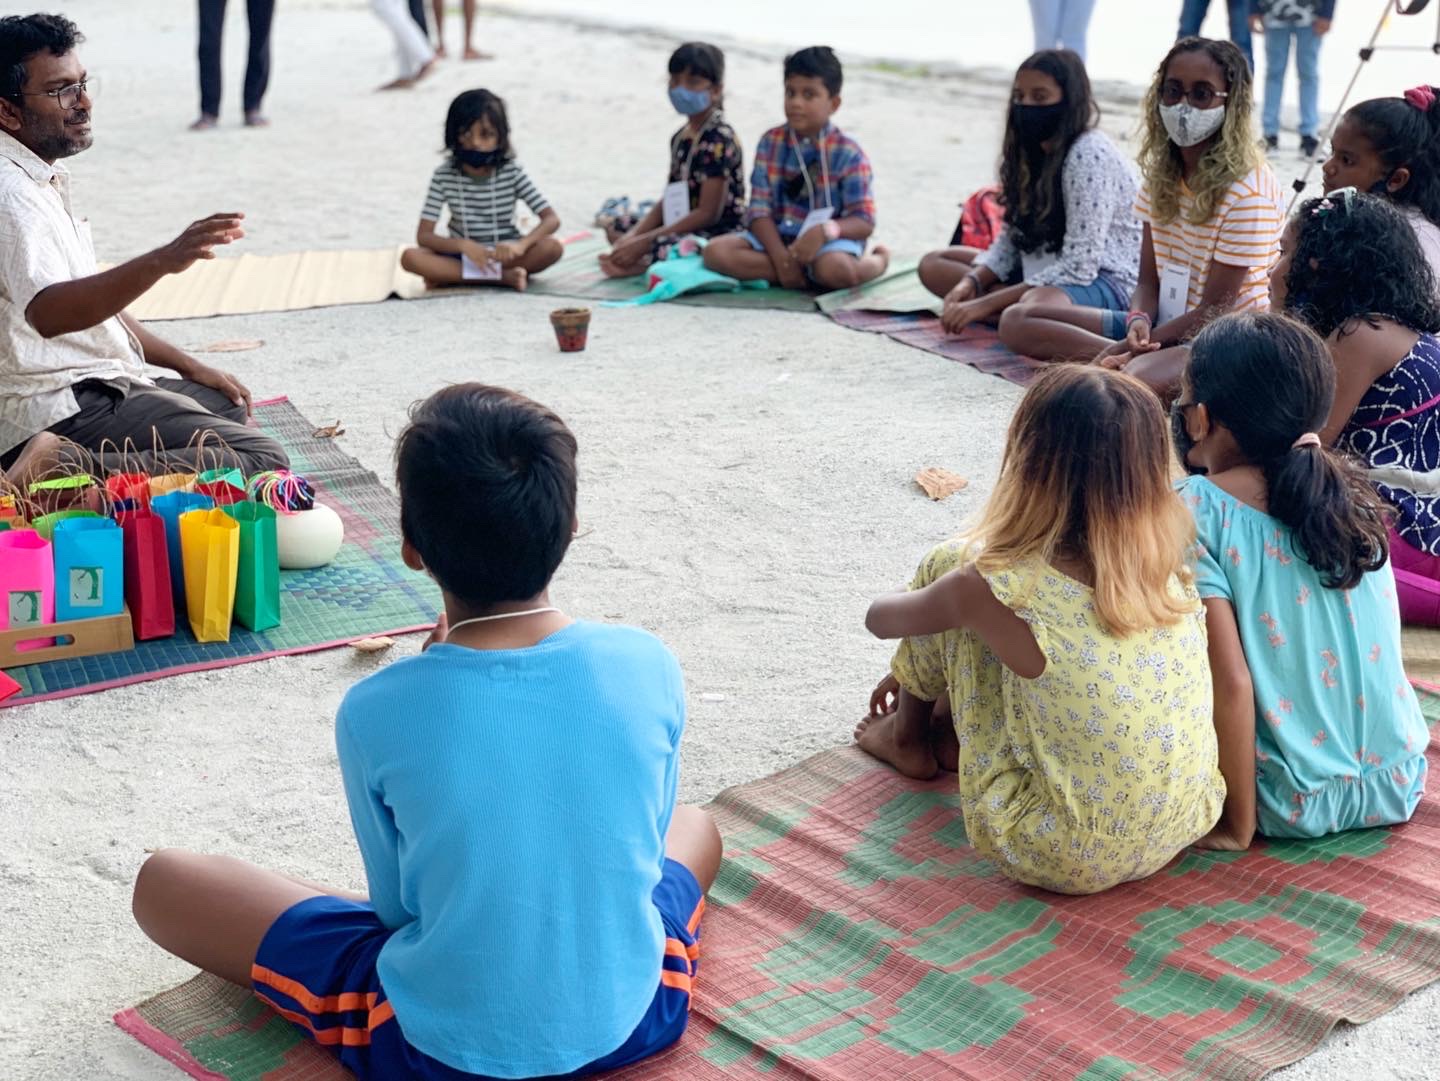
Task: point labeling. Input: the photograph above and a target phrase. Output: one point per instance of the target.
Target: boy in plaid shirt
(811, 205)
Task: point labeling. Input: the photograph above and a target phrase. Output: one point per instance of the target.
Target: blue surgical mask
(689, 102)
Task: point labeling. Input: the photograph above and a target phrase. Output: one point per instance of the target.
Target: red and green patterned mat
(853, 934)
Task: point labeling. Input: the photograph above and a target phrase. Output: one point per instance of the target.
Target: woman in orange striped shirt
(1213, 214)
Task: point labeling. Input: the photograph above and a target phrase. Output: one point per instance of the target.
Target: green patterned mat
(367, 590)
(854, 935)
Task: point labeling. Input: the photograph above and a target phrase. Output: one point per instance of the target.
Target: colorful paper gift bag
(46, 523)
(169, 507)
(210, 547)
(27, 583)
(225, 486)
(89, 568)
(257, 586)
(147, 574)
(129, 491)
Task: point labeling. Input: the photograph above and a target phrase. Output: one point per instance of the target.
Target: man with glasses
(72, 362)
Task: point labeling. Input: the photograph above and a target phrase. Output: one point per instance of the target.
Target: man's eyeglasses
(67, 97)
(1201, 96)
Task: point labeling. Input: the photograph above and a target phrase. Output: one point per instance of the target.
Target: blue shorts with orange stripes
(316, 966)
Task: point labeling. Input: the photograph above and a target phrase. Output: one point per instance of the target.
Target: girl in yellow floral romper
(1069, 637)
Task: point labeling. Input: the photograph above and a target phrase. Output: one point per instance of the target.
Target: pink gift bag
(27, 583)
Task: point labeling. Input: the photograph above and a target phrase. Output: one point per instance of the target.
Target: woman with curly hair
(1391, 147)
(1212, 210)
(1351, 268)
(1071, 236)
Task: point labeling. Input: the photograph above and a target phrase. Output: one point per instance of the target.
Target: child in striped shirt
(811, 205)
(479, 182)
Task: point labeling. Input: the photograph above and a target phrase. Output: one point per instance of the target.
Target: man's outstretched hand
(224, 382)
(199, 241)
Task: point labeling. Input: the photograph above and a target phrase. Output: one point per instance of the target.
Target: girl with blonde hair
(1212, 211)
(1066, 631)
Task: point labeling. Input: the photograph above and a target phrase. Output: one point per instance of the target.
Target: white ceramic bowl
(308, 538)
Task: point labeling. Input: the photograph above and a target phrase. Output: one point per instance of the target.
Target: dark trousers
(259, 14)
(417, 12)
(170, 415)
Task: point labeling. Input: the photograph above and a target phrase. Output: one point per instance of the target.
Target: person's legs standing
(1240, 30)
(1075, 24)
(1192, 16)
(1045, 14)
(261, 14)
(1307, 66)
(411, 46)
(1277, 59)
(212, 25)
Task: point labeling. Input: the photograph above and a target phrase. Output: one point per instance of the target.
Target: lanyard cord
(465, 181)
(712, 116)
(824, 147)
(502, 615)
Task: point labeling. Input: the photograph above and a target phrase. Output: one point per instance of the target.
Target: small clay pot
(572, 328)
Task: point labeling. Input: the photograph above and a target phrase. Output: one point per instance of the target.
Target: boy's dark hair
(1269, 379)
(1030, 178)
(699, 58)
(817, 62)
(475, 105)
(1356, 257)
(24, 36)
(487, 492)
(1404, 135)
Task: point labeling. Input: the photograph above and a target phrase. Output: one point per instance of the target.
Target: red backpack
(981, 219)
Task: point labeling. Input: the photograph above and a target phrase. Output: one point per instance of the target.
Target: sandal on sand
(612, 210)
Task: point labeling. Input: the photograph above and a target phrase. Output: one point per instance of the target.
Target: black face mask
(1036, 123)
(479, 159)
(1183, 443)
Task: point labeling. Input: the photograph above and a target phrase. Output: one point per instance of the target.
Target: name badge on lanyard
(472, 271)
(1174, 292)
(818, 214)
(675, 203)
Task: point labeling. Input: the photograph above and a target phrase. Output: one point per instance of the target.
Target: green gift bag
(257, 586)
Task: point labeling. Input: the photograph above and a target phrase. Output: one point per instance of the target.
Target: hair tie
(1309, 439)
(1421, 97)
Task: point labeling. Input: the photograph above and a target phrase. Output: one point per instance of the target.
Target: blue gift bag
(89, 568)
(169, 507)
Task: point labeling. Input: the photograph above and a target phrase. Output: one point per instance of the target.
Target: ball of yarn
(286, 492)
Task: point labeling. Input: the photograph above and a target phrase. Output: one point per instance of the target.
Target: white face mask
(1187, 125)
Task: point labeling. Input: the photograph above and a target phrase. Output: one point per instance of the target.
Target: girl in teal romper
(1319, 731)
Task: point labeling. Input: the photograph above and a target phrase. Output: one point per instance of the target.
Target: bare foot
(883, 254)
(516, 278)
(945, 744)
(472, 53)
(613, 269)
(205, 123)
(254, 119)
(440, 53)
(41, 455)
(425, 69)
(401, 83)
(877, 738)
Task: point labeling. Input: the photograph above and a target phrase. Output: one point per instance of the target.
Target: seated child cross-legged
(811, 207)
(1212, 213)
(1319, 730)
(535, 892)
(479, 182)
(1066, 633)
(704, 195)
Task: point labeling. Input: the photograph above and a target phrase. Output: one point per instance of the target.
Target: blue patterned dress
(1395, 431)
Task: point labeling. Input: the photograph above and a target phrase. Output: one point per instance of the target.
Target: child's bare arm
(1234, 728)
(547, 226)
(427, 237)
(960, 599)
(855, 228)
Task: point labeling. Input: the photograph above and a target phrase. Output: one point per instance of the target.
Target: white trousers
(412, 47)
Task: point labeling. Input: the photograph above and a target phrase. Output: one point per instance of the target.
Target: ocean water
(1127, 37)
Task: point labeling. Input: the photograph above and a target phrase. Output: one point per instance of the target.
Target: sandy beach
(745, 485)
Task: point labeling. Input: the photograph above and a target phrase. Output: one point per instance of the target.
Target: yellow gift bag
(210, 553)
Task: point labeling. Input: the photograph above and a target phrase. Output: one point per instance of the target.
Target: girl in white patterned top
(1071, 235)
(479, 183)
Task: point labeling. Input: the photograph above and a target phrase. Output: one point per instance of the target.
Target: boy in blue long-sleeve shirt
(1304, 22)
(534, 891)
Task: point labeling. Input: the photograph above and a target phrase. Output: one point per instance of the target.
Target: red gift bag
(129, 491)
(147, 574)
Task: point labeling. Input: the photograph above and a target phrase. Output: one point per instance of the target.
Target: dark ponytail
(1406, 135)
(1269, 380)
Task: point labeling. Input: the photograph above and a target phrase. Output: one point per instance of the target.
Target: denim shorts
(845, 244)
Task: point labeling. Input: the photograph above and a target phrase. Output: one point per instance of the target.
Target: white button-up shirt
(41, 244)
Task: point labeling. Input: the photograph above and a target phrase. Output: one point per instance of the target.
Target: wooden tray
(72, 638)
